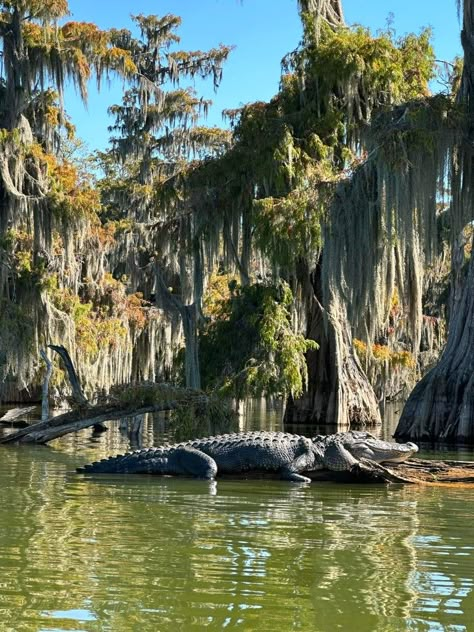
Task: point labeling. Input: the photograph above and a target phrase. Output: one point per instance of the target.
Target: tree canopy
(340, 209)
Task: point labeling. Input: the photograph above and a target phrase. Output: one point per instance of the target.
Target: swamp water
(143, 554)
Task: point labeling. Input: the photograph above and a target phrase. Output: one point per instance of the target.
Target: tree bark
(45, 393)
(338, 392)
(73, 421)
(189, 316)
(328, 10)
(441, 406)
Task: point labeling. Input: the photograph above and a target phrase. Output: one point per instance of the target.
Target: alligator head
(363, 445)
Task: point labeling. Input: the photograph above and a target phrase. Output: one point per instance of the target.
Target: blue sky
(262, 32)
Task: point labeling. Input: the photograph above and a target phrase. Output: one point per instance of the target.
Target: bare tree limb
(45, 393)
(77, 392)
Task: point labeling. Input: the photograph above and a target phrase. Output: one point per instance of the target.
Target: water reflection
(120, 553)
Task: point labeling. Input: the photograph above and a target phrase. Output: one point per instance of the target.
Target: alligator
(287, 455)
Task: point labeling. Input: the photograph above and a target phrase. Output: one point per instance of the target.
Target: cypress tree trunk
(441, 407)
(189, 315)
(338, 392)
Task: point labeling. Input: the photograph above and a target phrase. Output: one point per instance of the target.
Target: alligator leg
(337, 458)
(302, 463)
(288, 475)
(189, 461)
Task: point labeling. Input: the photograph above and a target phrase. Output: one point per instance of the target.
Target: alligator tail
(140, 462)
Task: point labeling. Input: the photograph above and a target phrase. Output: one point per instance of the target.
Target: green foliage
(203, 419)
(252, 350)
(105, 319)
(153, 124)
(381, 70)
(289, 154)
(151, 394)
(290, 227)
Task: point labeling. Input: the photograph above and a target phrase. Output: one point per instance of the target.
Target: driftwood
(142, 398)
(413, 471)
(75, 420)
(445, 472)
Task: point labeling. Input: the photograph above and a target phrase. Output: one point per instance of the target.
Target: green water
(139, 553)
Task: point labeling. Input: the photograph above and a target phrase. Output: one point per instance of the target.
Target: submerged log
(411, 472)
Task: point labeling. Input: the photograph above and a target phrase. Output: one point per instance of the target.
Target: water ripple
(144, 553)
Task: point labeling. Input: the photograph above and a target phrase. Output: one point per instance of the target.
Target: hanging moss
(16, 324)
(54, 250)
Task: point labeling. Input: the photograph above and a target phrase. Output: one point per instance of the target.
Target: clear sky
(262, 31)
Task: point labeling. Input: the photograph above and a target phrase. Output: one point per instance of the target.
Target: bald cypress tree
(347, 89)
(383, 233)
(158, 140)
(40, 194)
(54, 282)
(441, 407)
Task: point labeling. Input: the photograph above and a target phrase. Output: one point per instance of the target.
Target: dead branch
(45, 431)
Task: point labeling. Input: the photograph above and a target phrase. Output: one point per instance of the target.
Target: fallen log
(439, 473)
(411, 472)
(72, 421)
(130, 400)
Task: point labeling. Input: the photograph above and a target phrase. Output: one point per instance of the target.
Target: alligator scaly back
(288, 455)
(279, 452)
